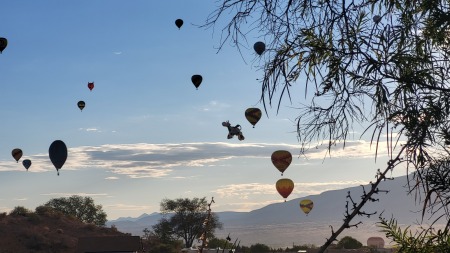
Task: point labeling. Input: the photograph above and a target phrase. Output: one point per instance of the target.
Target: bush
(20, 211)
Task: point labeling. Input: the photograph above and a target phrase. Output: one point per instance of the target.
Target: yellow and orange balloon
(284, 186)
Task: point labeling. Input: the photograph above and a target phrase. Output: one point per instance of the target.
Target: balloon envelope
(259, 47)
(26, 163)
(196, 80)
(17, 154)
(253, 115)
(58, 154)
(91, 85)
(306, 205)
(281, 159)
(81, 105)
(3, 44)
(179, 23)
(284, 187)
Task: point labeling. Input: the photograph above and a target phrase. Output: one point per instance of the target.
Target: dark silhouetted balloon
(281, 159)
(81, 105)
(3, 44)
(90, 85)
(26, 163)
(196, 80)
(284, 187)
(306, 205)
(253, 115)
(17, 154)
(179, 23)
(58, 154)
(259, 47)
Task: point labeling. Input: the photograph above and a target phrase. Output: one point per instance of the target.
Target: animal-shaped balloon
(233, 131)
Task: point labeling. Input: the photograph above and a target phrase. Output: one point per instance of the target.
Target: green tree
(259, 248)
(382, 65)
(152, 243)
(348, 242)
(185, 218)
(20, 211)
(80, 207)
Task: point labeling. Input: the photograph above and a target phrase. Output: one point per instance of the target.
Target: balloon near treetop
(284, 187)
(281, 159)
(58, 154)
(259, 47)
(17, 154)
(253, 115)
(306, 205)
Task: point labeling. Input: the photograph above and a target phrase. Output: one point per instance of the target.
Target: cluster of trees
(78, 207)
(380, 64)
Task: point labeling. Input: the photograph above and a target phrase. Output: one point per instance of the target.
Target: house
(109, 244)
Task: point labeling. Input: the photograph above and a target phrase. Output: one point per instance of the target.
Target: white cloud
(67, 194)
(127, 207)
(111, 178)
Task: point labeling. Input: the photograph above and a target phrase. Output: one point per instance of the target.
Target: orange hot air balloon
(91, 85)
(284, 187)
(253, 115)
(306, 205)
(281, 159)
(17, 154)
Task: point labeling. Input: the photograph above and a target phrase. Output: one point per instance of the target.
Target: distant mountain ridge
(281, 224)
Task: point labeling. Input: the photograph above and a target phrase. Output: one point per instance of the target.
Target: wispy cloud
(165, 160)
(127, 207)
(111, 178)
(68, 194)
(214, 106)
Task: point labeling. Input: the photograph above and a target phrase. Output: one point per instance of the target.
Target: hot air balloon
(81, 105)
(58, 154)
(259, 47)
(17, 154)
(284, 187)
(253, 115)
(306, 205)
(91, 85)
(179, 23)
(26, 163)
(3, 44)
(281, 159)
(196, 80)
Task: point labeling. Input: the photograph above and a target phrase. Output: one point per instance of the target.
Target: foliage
(427, 240)
(20, 211)
(348, 242)
(153, 244)
(186, 219)
(259, 248)
(379, 64)
(83, 208)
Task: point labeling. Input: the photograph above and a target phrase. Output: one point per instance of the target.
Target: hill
(282, 224)
(39, 233)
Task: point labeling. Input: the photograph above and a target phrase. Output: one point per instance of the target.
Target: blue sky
(146, 133)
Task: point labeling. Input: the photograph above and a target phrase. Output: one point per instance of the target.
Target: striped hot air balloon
(284, 187)
(253, 115)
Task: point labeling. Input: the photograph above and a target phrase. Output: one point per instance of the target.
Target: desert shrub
(90, 226)
(2, 216)
(60, 231)
(20, 211)
(34, 218)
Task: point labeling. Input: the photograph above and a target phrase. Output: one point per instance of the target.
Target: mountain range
(284, 224)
